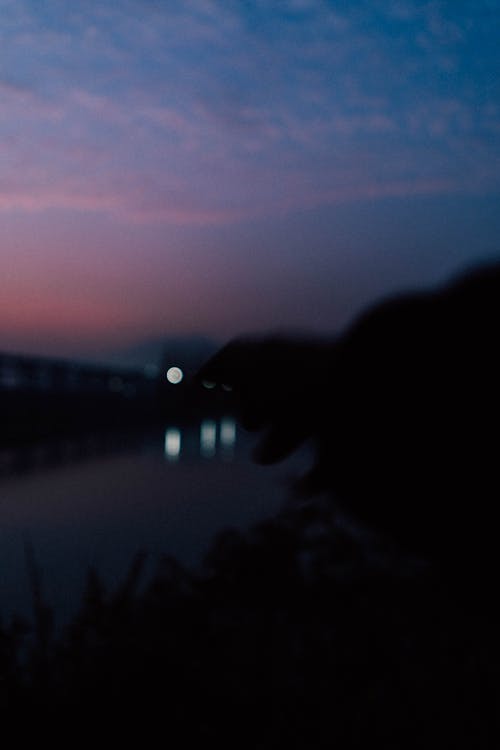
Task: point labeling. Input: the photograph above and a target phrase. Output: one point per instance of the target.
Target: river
(98, 501)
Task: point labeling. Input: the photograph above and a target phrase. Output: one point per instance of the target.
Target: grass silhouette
(292, 634)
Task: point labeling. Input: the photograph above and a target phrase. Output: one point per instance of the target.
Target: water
(98, 501)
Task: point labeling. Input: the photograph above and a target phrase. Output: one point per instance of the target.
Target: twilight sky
(210, 166)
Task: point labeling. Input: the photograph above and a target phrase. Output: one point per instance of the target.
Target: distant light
(208, 438)
(174, 375)
(172, 444)
(227, 387)
(208, 384)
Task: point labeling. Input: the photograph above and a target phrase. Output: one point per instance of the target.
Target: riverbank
(294, 634)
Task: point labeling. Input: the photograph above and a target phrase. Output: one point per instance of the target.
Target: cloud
(209, 112)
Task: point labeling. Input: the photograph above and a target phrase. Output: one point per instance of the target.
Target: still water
(98, 501)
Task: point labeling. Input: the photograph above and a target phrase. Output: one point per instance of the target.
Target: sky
(217, 167)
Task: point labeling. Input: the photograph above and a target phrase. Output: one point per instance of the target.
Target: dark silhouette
(292, 634)
(403, 408)
(43, 399)
(288, 637)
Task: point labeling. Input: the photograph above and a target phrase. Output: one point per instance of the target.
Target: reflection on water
(227, 437)
(38, 456)
(216, 439)
(208, 438)
(172, 443)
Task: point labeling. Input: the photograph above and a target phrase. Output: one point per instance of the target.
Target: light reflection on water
(208, 438)
(227, 437)
(216, 439)
(173, 443)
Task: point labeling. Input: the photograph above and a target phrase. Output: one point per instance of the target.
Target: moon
(174, 375)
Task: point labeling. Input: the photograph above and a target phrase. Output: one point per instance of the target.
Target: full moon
(174, 375)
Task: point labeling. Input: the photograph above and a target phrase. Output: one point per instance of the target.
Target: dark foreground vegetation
(292, 635)
(298, 634)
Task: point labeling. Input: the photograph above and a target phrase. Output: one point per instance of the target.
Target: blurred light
(227, 387)
(172, 444)
(174, 375)
(227, 437)
(208, 384)
(228, 432)
(208, 438)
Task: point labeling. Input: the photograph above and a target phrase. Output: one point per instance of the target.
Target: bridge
(45, 375)
(40, 396)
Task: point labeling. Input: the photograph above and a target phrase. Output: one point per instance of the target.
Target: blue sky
(204, 166)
